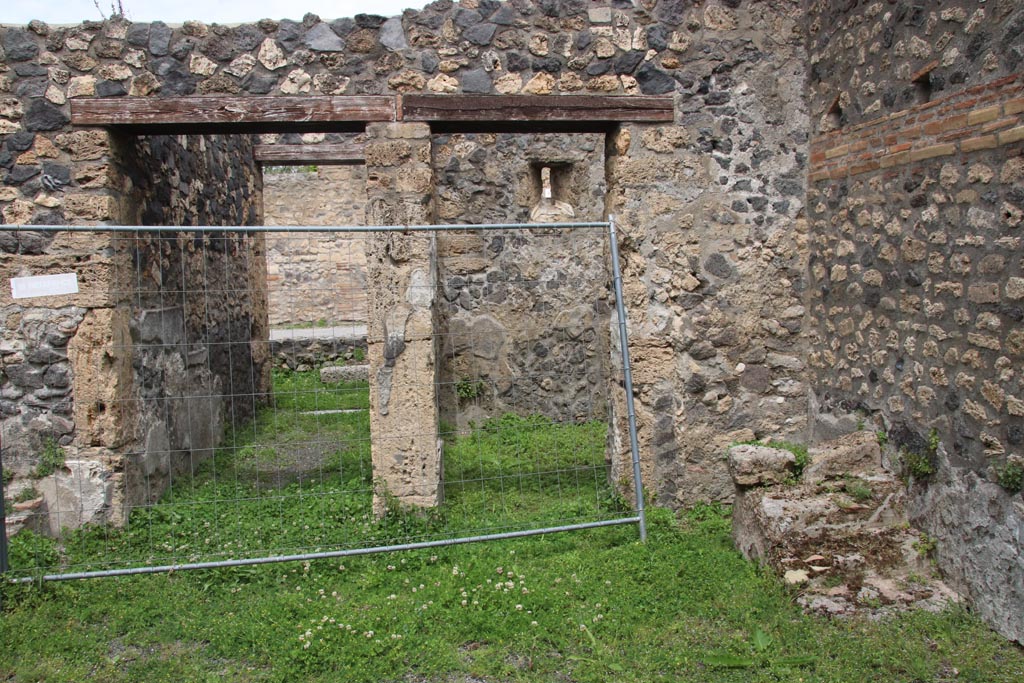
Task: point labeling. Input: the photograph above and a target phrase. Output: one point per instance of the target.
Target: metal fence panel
(152, 421)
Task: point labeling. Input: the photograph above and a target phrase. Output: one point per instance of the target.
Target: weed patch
(51, 459)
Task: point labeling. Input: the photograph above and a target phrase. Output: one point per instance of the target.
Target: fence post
(627, 378)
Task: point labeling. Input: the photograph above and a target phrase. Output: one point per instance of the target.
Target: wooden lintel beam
(247, 113)
(346, 153)
(579, 110)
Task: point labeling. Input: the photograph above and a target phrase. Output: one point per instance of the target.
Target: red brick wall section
(978, 118)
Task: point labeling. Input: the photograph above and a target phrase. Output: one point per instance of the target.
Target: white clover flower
(519, 607)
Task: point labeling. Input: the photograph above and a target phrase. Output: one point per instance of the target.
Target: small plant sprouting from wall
(1011, 476)
(117, 10)
(468, 389)
(799, 450)
(917, 465)
(50, 460)
(26, 495)
(926, 545)
(858, 489)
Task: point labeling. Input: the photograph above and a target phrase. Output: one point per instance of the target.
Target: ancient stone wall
(525, 313)
(65, 368)
(114, 375)
(710, 207)
(196, 302)
(314, 277)
(916, 282)
(713, 242)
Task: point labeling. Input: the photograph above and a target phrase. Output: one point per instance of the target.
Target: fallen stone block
(752, 465)
(856, 453)
(334, 374)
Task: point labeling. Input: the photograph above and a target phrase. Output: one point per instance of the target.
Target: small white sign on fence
(44, 285)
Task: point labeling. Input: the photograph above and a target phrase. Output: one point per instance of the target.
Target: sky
(207, 11)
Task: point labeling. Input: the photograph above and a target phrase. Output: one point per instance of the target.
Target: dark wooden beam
(237, 114)
(538, 111)
(347, 153)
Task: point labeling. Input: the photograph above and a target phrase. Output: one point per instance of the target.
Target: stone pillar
(401, 283)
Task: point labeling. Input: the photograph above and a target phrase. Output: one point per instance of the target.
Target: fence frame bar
(627, 379)
(302, 228)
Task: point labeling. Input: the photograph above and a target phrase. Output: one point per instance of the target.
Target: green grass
(302, 391)
(588, 606)
(295, 481)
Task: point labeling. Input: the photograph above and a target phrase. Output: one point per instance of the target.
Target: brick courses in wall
(980, 118)
(316, 277)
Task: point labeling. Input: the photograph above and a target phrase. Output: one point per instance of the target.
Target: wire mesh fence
(152, 418)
